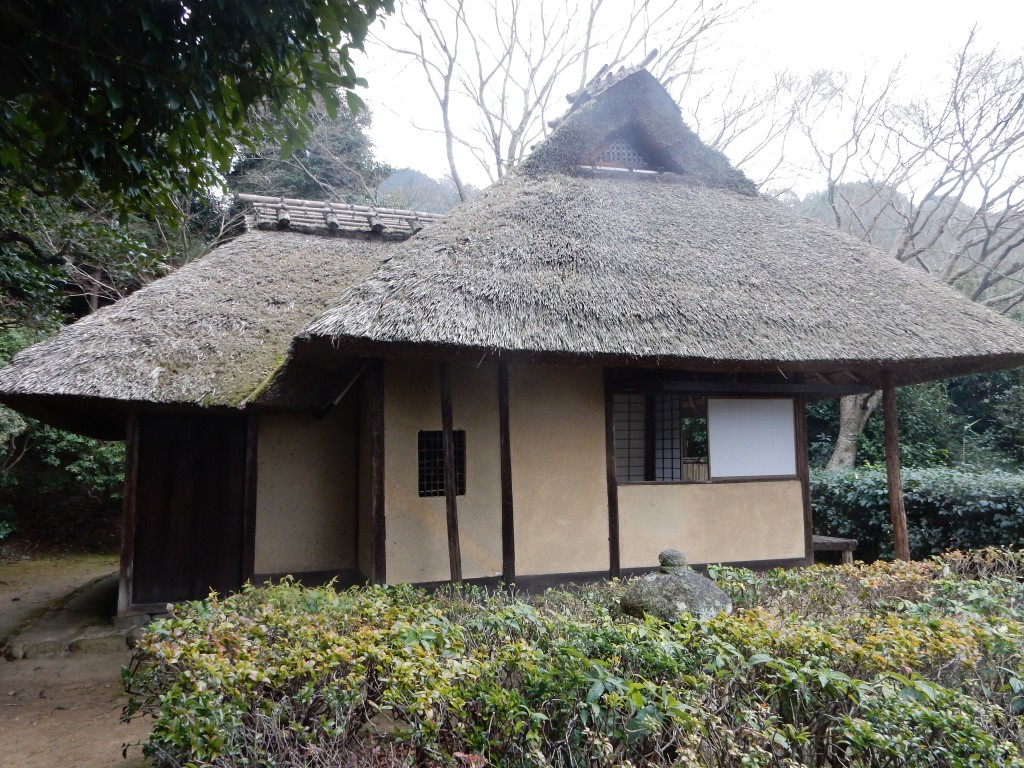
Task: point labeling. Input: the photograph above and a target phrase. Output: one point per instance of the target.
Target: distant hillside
(409, 188)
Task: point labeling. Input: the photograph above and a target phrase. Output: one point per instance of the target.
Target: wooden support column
(378, 549)
(901, 545)
(450, 503)
(129, 511)
(252, 435)
(614, 565)
(803, 472)
(508, 528)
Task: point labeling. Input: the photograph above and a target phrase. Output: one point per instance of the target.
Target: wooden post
(450, 503)
(129, 511)
(508, 528)
(614, 561)
(803, 471)
(252, 433)
(901, 545)
(378, 549)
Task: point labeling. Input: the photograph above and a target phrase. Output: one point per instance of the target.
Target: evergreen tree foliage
(149, 98)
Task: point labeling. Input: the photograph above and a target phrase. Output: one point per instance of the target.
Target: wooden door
(189, 529)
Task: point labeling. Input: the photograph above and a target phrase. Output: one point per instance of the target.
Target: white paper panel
(751, 438)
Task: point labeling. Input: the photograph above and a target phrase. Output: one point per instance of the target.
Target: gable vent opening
(620, 154)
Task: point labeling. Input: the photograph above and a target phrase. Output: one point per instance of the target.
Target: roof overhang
(822, 378)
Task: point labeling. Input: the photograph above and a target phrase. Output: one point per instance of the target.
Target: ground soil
(60, 710)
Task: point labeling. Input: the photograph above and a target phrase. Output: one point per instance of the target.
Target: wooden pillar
(614, 561)
(901, 545)
(803, 472)
(129, 511)
(252, 436)
(450, 503)
(508, 528)
(378, 549)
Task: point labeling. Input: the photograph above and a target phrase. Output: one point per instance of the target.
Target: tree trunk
(854, 411)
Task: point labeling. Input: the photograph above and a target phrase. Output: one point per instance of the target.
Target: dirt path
(60, 710)
(29, 586)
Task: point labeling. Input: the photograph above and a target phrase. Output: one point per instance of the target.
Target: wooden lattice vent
(619, 153)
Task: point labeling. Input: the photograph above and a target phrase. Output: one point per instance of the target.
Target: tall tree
(508, 63)
(936, 182)
(147, 99)
(335, 162)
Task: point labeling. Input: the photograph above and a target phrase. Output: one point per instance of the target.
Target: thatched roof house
(605, 353)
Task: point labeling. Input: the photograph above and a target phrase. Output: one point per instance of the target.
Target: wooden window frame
(650, 443)
(649, 440)
(430, 463)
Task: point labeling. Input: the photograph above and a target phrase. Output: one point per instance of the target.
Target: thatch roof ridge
(653, 270)
(211, 333)
(636, 107)
(333, 218)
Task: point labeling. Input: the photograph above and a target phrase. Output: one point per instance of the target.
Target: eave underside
(319, 368)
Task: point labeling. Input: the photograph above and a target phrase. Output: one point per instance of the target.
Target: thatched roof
(688, 269)
(212, 333)
(639, 111)
(563, 260)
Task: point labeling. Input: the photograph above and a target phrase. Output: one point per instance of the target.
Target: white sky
(798, 35)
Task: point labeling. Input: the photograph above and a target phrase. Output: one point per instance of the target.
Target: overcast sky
(799, 35)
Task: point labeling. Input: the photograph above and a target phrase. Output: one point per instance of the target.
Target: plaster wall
(711, 522)
(557, 436)
(307, 489)
(416, 527)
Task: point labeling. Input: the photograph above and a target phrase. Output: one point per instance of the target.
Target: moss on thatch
(212, 333)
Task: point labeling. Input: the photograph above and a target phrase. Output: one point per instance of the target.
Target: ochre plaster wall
(307, 491)
(556, 431)
(416, 528)
(711, 522)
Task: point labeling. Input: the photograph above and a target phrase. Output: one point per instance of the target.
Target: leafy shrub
(56, 487)
(947, 509)
(973, 421)
(65, 489)
(895, 664)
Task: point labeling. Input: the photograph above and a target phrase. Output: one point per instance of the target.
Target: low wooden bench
(834, 544)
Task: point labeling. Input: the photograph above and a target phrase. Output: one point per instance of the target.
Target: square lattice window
(431, 462)
(660, 438)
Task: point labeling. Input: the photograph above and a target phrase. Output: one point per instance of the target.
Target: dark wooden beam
(763, 388)
(129, 512)
(378, 550)
(803, 472)
(901, 544)
(649, 442)
(450, 489)
(252, 434)
(614, 564)
(508, 528)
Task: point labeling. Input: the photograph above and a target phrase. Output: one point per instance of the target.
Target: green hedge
(947, 509)
(894, 664)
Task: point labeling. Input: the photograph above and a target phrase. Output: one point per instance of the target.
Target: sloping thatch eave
(214, 333)
(847, 375)
(656, 272)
